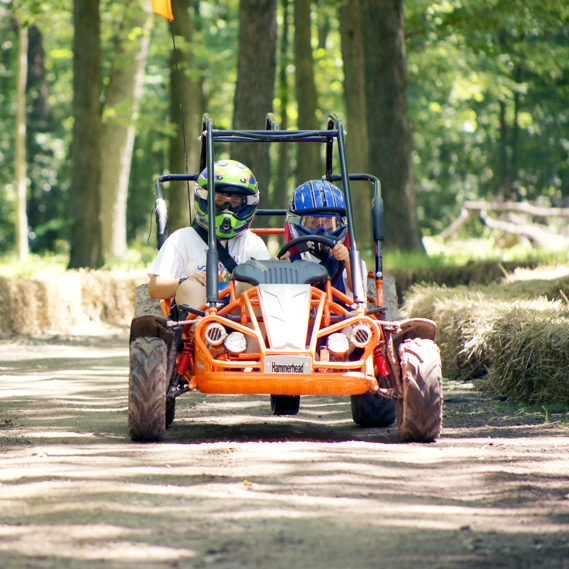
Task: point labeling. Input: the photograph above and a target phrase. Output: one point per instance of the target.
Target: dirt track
(234, 487)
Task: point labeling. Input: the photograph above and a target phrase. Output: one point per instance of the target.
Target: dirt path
(234, 487)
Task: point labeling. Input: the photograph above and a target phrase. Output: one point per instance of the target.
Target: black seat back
(280, 272)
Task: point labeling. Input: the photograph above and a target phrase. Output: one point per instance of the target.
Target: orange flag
(163, 8)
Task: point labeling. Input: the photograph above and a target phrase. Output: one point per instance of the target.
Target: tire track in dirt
(232, 486)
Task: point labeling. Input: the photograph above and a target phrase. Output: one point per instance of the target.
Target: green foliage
(487, 91)
(460, 252)
(56, 263)
(487, 85)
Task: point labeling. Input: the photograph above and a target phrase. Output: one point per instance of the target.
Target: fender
(408, 328)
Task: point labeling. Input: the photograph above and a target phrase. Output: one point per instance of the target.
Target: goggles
(324, 224)
(229, 201)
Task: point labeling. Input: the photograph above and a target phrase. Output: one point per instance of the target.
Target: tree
(390, 144)
(120, 113)
(306, 96)
(256, 68)
(20, 152)
(185, 114)
(283, 94)
(46, 214)
(86, 231)
(357, 148)
(487, 98)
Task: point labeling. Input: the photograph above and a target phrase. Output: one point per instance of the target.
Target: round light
(338, 344)
(236, 343)
(361, 335)
(215, 334)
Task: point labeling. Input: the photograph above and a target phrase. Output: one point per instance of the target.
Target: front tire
(147, 389)
(419, 412)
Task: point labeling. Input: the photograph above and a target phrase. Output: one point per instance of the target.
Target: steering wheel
(306, 239)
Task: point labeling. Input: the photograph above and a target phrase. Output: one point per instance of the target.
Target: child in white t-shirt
(179, 268)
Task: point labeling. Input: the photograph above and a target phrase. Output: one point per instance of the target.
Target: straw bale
(515, 332)
(144, 304)
(63, 303)
(530, 353)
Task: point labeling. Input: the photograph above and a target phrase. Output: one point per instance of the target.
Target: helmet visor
(241, 205)
(328, 225)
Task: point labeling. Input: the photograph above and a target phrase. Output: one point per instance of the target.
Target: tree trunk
(46, 199)
(324, 26)
(86, 234)
(357, 149)
(390, 144)
(185, 114)
(20, 146)
(308, 154)
(254, 98)
(283, 167)
(503, 166)
(119, 118)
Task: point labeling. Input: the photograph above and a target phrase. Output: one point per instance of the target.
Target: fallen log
(538, 235)
(522, 207)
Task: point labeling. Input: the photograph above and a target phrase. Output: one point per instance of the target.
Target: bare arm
(162, 287)
(166, 287)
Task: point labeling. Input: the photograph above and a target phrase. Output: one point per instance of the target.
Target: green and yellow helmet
(236, 198)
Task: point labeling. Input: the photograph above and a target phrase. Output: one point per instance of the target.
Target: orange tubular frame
(240, 374)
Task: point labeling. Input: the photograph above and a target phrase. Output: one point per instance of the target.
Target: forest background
(444, 101)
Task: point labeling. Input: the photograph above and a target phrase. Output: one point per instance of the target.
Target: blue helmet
(317, 207)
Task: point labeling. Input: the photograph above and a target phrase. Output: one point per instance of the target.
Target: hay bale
(450, 309)
(508, 333)
(530, 353)
(389, 295)
(64, 303)
(144, 304)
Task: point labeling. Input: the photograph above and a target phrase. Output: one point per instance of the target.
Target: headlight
(361, 335)
(338, 344)
(236, 343)
(215, 334)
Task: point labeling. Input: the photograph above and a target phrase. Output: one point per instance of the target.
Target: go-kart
(290, 334)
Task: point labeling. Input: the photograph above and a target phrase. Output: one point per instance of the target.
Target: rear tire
(147, 389)
(372, 410)
(419, 412)
(170, 411)
(285, 404)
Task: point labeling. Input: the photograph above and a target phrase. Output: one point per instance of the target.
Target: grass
(438, 255)
(460, 252)
(12, 267)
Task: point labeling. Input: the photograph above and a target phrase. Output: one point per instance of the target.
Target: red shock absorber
(186, 357)
(381, 362)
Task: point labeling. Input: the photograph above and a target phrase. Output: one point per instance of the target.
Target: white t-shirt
(185, 252)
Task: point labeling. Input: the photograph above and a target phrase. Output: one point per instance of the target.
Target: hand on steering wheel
(306, 239)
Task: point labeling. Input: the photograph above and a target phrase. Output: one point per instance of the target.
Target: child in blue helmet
(179, 268)
(317, 207)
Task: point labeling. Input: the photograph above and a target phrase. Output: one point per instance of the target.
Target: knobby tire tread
(147, 389)
(419, 413)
